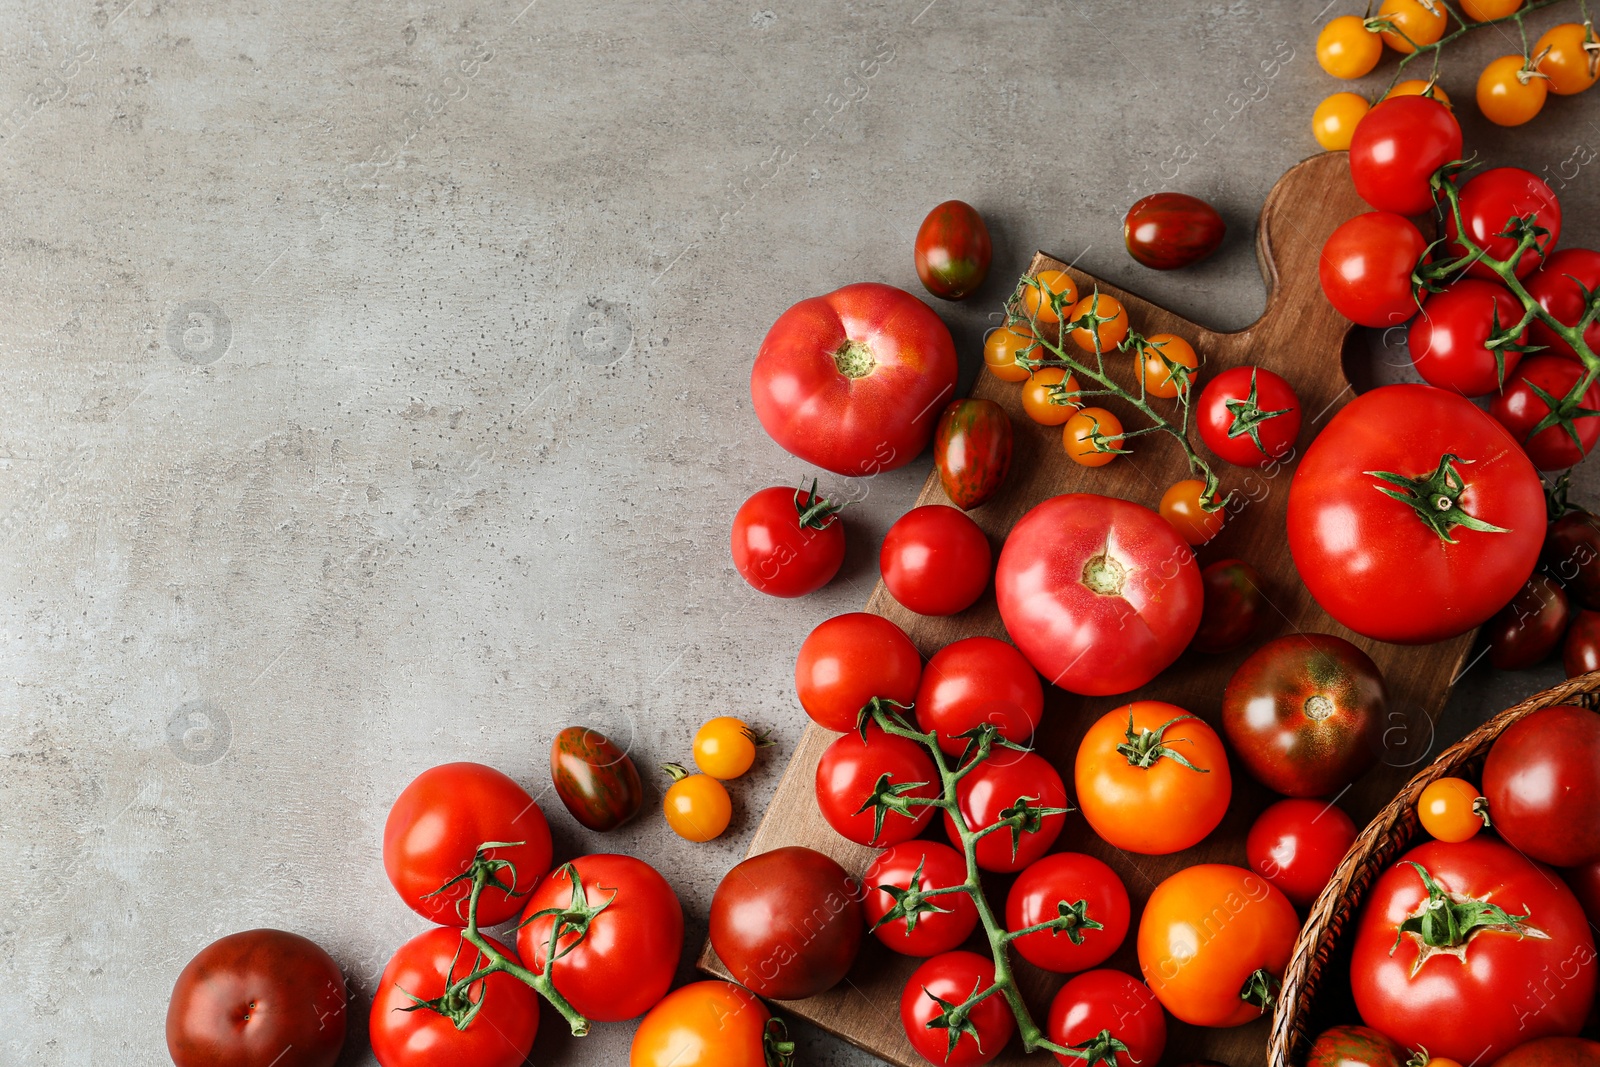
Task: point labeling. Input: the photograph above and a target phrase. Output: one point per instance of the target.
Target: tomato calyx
(956, 1019)
(483, 871)
(1145, 746)
(1563, 412)
(889, 795)
(814, 512)
(911, 902)
(1260, 989)
(1071, 919)
(1248, 416)
(884, 712)
(1446, 923)
(854, 359)
(573, 919)
(1026, 816)
(1436, 498)
(1101, 1048)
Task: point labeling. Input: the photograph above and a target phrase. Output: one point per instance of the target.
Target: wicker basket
(1295, 1020)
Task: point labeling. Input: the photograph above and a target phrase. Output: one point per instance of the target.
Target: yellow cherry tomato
(725, 747)
(1334, 121)
(1442, 1061)
(1510, 94)
(1037, 304)
(1038, 396)
(1078, 437)
(1347, 49)
(697, 805)
(1416, 23)
(1001, 349)
(1569, 55)
(1112, 331)
(1180, 505)
(1449, 809)
(1418, 87)
(1156, 357)
(1484, 10)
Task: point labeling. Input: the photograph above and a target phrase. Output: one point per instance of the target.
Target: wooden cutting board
(1300, 337)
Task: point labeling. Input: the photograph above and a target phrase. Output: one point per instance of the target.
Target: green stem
(1464, 26)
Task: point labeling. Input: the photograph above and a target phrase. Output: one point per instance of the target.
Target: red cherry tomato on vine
(935, 560)
(1520, 408)
(1297, 844)
(849, 659)
(953, 977)
(1091, 926)
(953, 250)
(1366, 267)
(1396, 149)
(703, 1024)
(1556, 286)
(1580, 651)
(788, 542)
(996, 791)
(1098, 1008)
(1449, 339)
(974, 681)
(1249, 416)
(941, 922)
(850, 771)
(1489, 201)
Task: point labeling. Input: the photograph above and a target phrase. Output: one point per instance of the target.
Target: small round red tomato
(972, 451)
(854, 772)
(1354, 1046)
(788, 542)
(1542, 780)
(1397, 148)
(1510, 91)
(1304, 714)
(1039, 396)
(1558, 287)
(848, 660)
(1520, 409)
(935, 560)
(1569, 56)
(1100, 594)
(1015, 788)
(953, 250)
(851, 381)
(436, 827)
(1083, 900)
(615, 963)
(1249, 416)
(1184, 505)
(704, 1024)
(595, 779)
(1412, 24)
(1489, 201)
(1235, 603)
(1109, 1018)
(1458, 947)
(1166, 231)
(1104, 322)
(952, 977)
(504, 1013)
(1002, 347)
(1553, 1052)
(1449, 340)
(974, 681)
(1524, 632)
(255, 999)
(1296, 844)
(1366, 267)
(756, 934)
(1580, 651)
(1213, 944)
(1572, 555)
(1093, 437)
(1152, 778)
(1450, 809)
(899, 915)
(1167, 365)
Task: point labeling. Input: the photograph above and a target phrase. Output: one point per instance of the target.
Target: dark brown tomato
(1304, 714)
(1354, 1046)
(953, 250)
(1585, 883)
(1524, 632)
(972, 449)
(1542, 781)
(1234, 605)
(594, 778)
(1572, 555)
(1166, 231)
(1580, 651)
(1553, 1052)
(257, 998)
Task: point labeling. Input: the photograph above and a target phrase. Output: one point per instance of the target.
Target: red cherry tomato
(1580, 651)
(953, 977)
(953, 250)
(1249, 416)
(788, 542)
(1397, 147)
(1296, 844)
(1097, 1011)
(1489, 201)
(922, 926)
(1015, 786)
(1520, 409)
(1086, 900)
(974, 681)
(1556, 286)
(935, 560)
(1449, 339)
(1366, 266)
(849, 774)
(849, 659)
(1524, 632)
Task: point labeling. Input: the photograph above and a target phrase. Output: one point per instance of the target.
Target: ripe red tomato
(704, 1024)
(595, 779)
(1449, 340)
(1542, 780)
(1248, 416)
(1397, 147)
(849, 774)
(1414, 570)
(1489, 201)
(852, 381)
(1166, 231)
(1213, 942)
(1354, 1046)
(995, 792)
(1572, 555)
(788, 542)
(1107, 1016)
(1524, 632)
(974, 681)
(1585, 884)
(255, 999)
(500, 1034)
(1366, 267)
(624, 959)
(1234, 606)
(923, 926)
(952, 978)
(1520, 409)
(953, 250)
(754, 929)
(849, 659)
(972, 450)
(1471, 988)
(1083, 897)
(935, 560)
(1296, 844)
(1100, 594)
(1580, 651)
(1553, 1052)
(1556, 286)
(435, 828)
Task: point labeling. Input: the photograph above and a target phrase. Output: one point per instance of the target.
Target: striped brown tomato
(953, 250)
(595, 779)
(972, 449)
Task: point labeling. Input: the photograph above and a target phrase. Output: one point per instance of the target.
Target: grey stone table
(375, 395)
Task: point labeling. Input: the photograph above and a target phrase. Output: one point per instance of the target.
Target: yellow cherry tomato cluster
(697, 806)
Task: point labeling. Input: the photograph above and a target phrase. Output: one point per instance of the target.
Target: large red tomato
(1542, 781)
(1100, 594)
(1366, 268)
(1413, 516)
(617, 963)
(436, 826)
(1487, 951)
(974, 681)
(1489, 201)
(1396, 148)
(854, 381)
(849, 659)
(1558, 287)
(260, 998)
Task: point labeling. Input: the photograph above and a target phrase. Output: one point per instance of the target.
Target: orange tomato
(1334, 121)
(703, 1024)
(1001, 349)
(1180, 505)
(1484, 10)
(725, 747)
(1166, 792)
(1569, 56)
(1347, 49)
(1416, 23)
(1418, 87)
(1077, 436)
(1509, 94)
(1038, 394)
(1111, 331)
(1158, 351)
(697, 806)
(1038, 305)
(1448, 809)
